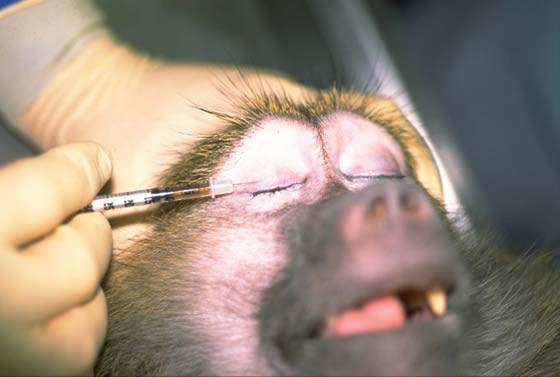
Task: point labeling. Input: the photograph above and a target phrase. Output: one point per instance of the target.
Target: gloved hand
(53, 315)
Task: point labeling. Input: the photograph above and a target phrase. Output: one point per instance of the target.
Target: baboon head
(336, 259)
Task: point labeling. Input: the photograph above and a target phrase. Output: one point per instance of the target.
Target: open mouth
(400, 319)
(398, 314)
(387, 312)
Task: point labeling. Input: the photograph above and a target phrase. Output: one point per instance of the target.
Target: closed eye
(274, 190)
(369, 177)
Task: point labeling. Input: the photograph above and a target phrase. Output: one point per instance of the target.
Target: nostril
(377, 208)
(382, 205)
(413, 203)
(358, 218)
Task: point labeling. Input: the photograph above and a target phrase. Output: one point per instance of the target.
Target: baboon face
(335, 258)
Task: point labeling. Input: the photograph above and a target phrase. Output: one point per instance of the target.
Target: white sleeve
(36, 38)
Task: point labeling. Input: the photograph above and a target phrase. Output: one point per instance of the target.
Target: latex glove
(53, 315)
(144, 111)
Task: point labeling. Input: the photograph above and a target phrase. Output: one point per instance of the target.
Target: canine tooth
(436, 301)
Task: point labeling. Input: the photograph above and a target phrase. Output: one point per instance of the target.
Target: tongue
(381, 313)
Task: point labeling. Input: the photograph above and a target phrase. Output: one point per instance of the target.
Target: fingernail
(104, 162)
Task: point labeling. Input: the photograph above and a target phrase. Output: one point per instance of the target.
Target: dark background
(484, 74)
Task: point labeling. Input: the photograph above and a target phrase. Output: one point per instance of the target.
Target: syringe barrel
(159, 195)
(122, 200)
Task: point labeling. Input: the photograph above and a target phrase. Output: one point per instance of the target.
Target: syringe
(211, 189)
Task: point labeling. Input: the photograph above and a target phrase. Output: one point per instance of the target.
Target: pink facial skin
(299, 160)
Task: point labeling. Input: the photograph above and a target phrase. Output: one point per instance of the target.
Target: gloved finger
(40, 192)
(71, 342)
(61, 271)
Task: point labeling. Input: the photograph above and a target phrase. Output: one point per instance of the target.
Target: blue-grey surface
(493, 69)
(11, 147)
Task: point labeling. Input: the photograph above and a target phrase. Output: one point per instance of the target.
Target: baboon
(339, 259)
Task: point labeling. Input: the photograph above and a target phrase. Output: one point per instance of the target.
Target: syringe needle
(245, 183)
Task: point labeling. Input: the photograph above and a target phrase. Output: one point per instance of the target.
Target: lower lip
(426, 347)
(413, 335)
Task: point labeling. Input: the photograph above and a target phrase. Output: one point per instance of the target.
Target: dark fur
(517, 329)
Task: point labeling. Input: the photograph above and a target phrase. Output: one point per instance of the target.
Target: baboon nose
(394, 199)
(388, 203)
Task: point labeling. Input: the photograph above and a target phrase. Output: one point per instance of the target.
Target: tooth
(436, 301)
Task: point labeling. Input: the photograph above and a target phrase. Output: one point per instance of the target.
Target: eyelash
(274, 190)
(365, 177)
